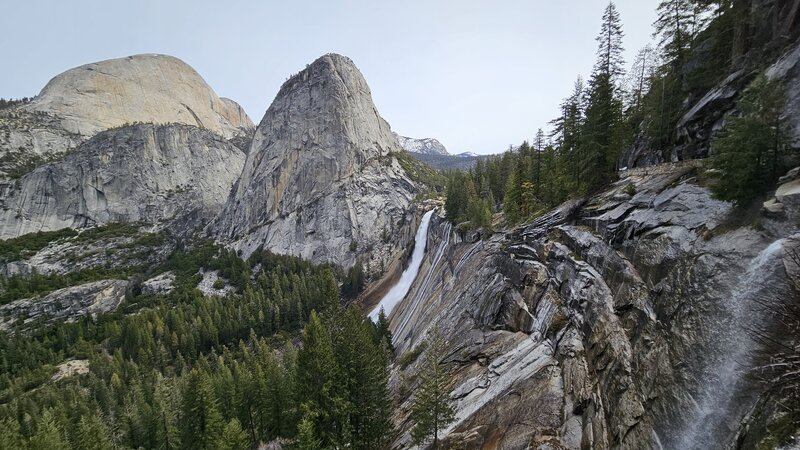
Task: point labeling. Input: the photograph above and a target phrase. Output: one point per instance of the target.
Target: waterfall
(399, 290)
(719, 403)
(422, 289)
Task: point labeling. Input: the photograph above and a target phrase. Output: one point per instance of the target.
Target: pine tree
(567, 136)
(354, 281)
(49, 434)
(456, 203)
(432, 411)
(600, 135)
(609, 51)
(233, 437)
(93, 434)
(640, 77)
(318, 391)
(747, 154)
(513, 198)
(382, 332)
(201, 422)
(673, 28)
(330, 290)
(536, 167)
(306, 434)
(10, 435)
(165, 401)
(363, 371)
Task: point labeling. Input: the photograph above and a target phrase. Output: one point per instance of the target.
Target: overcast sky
(477, 75)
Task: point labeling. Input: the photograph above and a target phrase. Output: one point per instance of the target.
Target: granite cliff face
(142, 88)
(320, 180)
(615, 322)
(143, 173)
(83, 101)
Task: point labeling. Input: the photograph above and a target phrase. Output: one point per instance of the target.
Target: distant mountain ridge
(425, 146)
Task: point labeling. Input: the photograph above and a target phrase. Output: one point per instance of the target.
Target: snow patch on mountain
(426, 146)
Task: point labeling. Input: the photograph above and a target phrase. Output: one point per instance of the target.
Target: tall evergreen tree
(306, 434)
(539, 144)
(513, 198)
(382, 332)
(165, 412)
(93, 434)
(747, 154)
(600, 137)
(640, 77)
(233, 437)
(364, 374)
(567, 136)
(49, 433)
(609, 52)
(201, 421)
(318, 391)
(10, 435)
(674, 26)
(432, 410)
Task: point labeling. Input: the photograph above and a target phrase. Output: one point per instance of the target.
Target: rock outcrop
(615, 322)
(320, 180)
(143, 173)
(65, 304)
(426, 146)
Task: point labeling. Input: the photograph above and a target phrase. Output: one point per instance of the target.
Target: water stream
(719, 402)
(399, 290)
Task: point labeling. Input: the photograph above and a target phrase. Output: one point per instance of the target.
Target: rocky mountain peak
(425, 146)
(319, 180)
(147, 88)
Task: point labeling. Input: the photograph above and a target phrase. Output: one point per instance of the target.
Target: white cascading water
(399, 290)
(425, 283)
(718, 399)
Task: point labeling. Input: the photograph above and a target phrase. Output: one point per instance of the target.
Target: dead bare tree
(778, 363)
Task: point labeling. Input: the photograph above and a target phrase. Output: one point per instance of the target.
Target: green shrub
(408, 358)
(29, 244)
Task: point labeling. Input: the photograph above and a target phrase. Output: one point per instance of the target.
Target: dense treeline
(698, 42)
(189, 371)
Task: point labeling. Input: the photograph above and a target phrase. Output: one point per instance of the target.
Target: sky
(476, 75)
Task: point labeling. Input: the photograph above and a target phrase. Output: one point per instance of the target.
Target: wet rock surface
(595, 326)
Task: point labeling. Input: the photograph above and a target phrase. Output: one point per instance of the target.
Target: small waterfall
(719, 402)
(399, 290)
